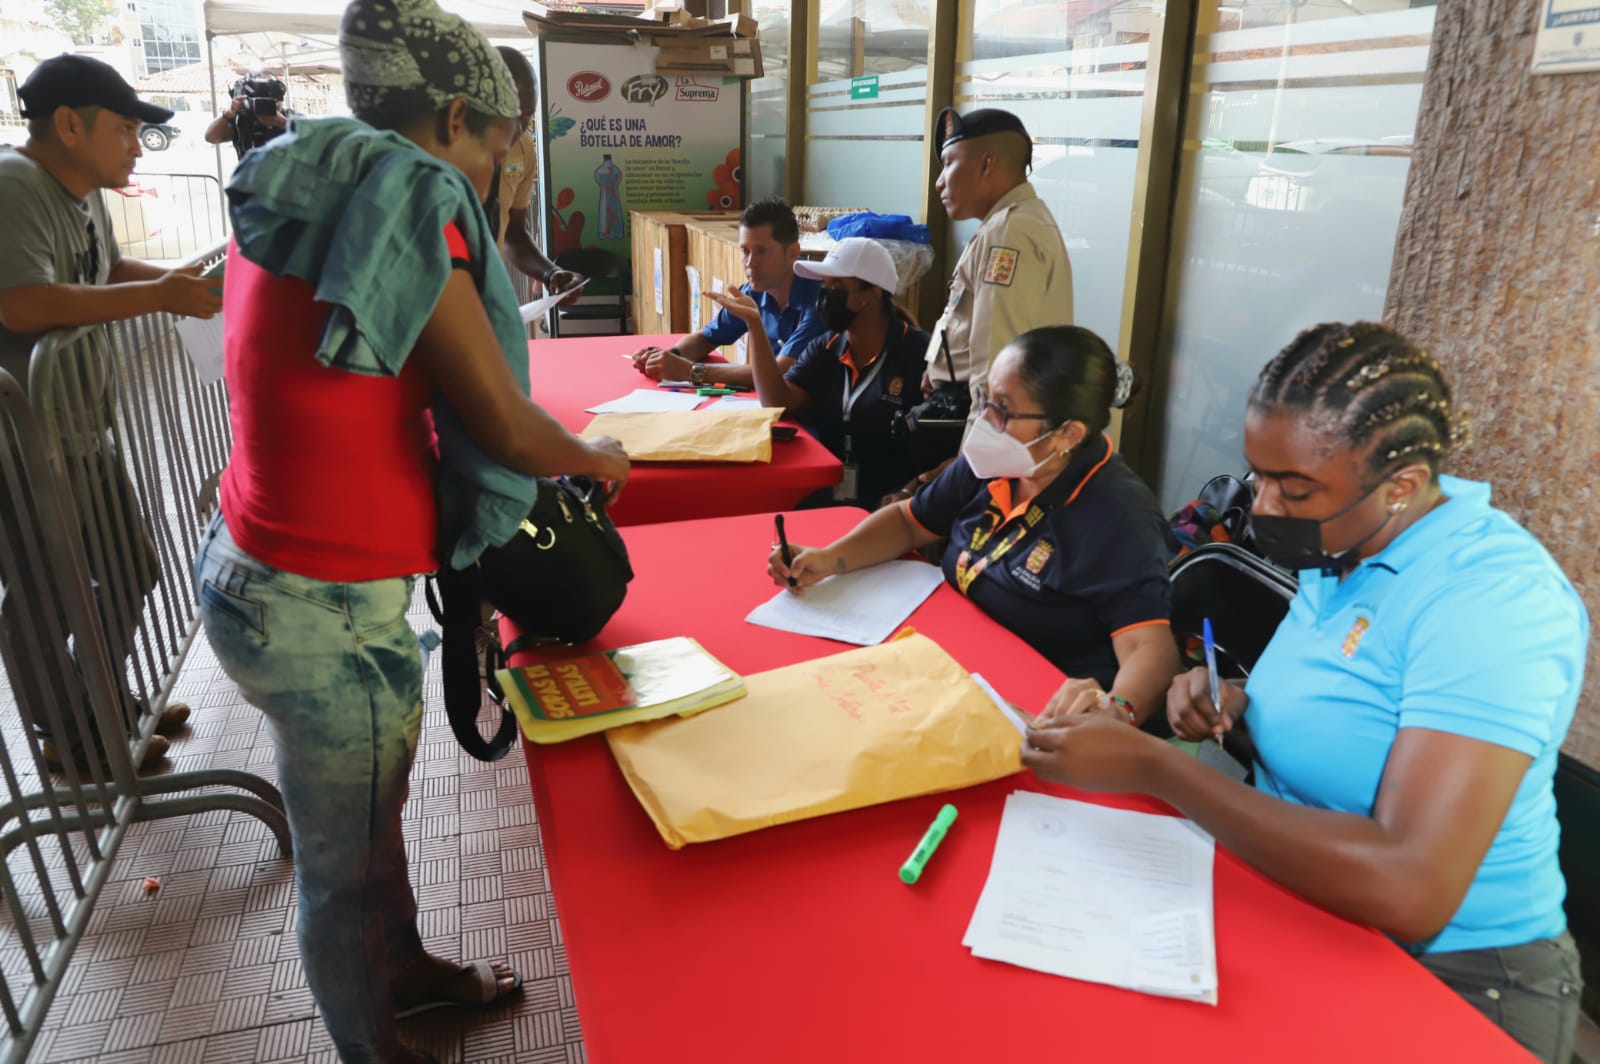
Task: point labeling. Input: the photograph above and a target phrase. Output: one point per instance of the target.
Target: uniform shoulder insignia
(1002, 266)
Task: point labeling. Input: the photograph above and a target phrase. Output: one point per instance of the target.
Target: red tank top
(332, 473)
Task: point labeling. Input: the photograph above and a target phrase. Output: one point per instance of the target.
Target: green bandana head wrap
(398, 51)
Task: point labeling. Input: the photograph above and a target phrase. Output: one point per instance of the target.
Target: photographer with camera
(254, 116)
(851, 384)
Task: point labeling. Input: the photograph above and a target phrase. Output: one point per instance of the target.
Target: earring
(1398, 507)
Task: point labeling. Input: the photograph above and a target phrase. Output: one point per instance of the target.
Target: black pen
(783, 548)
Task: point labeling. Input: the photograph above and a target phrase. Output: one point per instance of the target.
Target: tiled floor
(206, 969)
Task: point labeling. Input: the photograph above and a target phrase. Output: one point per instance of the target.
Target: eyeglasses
(997, 415)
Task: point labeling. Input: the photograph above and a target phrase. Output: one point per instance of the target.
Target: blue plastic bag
(881, 226)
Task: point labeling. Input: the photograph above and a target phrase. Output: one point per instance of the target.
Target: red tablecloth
(570, 375)
(800, 944)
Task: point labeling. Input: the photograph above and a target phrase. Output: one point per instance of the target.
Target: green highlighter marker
(911, 871)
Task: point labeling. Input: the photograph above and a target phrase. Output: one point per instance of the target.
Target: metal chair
(601, 300)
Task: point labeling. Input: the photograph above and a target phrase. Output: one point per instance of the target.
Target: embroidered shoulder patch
(1002, 266)
(1352, 639)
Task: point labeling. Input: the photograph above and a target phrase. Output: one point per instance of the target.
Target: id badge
(846, 488)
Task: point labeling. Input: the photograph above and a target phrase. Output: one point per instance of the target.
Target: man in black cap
(1014, 274)
(60, 267)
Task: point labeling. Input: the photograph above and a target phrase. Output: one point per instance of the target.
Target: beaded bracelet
(1126, 705)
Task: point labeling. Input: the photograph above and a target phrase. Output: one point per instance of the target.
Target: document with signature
(1105, 895)
(864, 607)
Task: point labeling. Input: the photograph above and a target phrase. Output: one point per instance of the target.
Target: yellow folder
(854, 729)
(741, 435)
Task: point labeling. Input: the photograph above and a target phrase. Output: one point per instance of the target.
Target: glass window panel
(1074, 73)
(1293, 176)
(768, 108)
(857, 37)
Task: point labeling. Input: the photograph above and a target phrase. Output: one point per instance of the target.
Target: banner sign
(619, 138)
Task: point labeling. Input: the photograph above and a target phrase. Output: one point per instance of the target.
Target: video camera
(263, 91)
(263, 95)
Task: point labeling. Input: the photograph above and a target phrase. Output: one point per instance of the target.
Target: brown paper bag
(691, 435)
(851, 730)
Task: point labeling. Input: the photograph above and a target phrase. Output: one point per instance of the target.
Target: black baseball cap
(952, 126)
(79, 81)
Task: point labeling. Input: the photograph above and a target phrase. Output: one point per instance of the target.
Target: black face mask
(836, 313)
(1296, 542)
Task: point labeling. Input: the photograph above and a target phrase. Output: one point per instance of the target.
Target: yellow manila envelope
(842, 732)
(691, 435)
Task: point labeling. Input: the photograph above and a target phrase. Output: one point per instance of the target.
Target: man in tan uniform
(512, 195)
(1014, 274)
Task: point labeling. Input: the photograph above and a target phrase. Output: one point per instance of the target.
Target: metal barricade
(109, 465)
(167, 217)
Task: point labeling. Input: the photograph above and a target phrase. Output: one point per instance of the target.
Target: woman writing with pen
(850, 384)
(1051, 534)
(1408, 711)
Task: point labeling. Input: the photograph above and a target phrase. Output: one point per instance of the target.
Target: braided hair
(1372, 387)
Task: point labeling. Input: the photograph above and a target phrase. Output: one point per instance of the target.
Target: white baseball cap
(855, 256)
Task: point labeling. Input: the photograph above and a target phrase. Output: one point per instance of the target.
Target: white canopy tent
(495, 18)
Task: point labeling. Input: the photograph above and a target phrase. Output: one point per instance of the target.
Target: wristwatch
(697, 373)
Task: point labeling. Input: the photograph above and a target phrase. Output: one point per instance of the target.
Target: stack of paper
(1100, 894)
(559, 700)
(864, 607)
(648, 401)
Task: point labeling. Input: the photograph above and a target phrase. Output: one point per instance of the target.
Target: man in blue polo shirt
(769, 239)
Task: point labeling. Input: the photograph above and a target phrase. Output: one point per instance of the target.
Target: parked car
(156, 137)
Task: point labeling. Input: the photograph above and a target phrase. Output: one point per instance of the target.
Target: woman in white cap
(377, 375)
(851, 384)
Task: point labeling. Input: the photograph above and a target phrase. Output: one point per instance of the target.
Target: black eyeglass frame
(985, 404)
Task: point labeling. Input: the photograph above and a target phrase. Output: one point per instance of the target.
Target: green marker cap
(911, 871)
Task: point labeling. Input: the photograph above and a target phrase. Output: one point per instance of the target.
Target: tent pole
(216, 149)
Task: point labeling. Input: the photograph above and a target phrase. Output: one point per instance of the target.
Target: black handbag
(559, 579)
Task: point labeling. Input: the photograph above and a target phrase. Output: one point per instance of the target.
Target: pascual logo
(644, 88)
(691, 91)
(589, 86)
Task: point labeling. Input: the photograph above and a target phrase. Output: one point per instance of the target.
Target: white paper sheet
(864, 607)
(735, 402)
(648, 401)
(202, 338)
(537, 308)
(1013, 714)
(1105, 895)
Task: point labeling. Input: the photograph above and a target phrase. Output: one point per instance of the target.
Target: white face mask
(992, 452)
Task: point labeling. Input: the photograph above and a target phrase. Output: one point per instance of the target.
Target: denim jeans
(1533, 992)
(337, 671)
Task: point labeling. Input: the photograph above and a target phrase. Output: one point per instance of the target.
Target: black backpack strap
(458, 609)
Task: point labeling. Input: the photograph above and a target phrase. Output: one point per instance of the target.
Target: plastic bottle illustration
(608, 175)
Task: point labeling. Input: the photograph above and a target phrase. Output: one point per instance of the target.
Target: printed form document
(1105, 895)
(864, 607)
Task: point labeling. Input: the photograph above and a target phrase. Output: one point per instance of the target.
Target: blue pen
(1211, 668)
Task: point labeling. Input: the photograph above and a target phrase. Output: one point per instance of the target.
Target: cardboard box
(713, 253)
(736, 56)
(665, 233)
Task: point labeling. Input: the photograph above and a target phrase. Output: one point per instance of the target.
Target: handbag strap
(457, 607)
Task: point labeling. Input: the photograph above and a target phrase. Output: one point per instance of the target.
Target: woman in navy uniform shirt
(1051, 534)
(850, 384)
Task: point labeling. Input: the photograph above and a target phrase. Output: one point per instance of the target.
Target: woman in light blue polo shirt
(1408, 711)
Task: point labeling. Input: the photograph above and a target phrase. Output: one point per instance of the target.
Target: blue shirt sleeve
(723, 329)
(938, 503)
(1495, 657)
(810, 328)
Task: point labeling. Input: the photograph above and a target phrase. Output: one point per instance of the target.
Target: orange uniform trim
(905, 505)
(1140, 624)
